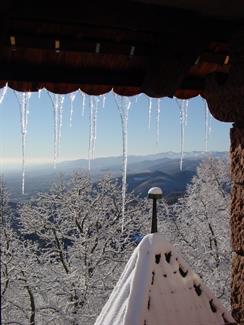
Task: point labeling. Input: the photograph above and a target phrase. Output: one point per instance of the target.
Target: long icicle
(57, 104)
(183, 107)
(40, 92)
(23, 101)
(206, 126)
(83, 102)
(137, 97)
(123, 104)
(149, 112)
(90, 132)
(210, 124)
(182, 136)
(55, 119)
(103, 100)
(94, 103)
(3, 93)
(158, 121)
(60, 121)
(94, 122)
(186, 111)
(72, 98)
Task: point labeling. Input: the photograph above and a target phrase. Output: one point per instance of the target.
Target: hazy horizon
(13, 165)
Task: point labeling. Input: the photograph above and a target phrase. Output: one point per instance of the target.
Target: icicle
(57, 103)
(210, 124)
(60, 121)
(83, 100)
(158, 121)
(207, 124)
(149, 111)
(186, 111)
(94, 128)
(55, 119)
(72, 98)
(3, 93)
(23, 101)
(123, 104)
(39, 92)
(103, 100)
(183, 106)
(137, 97)
(94, 101)
(90, 133)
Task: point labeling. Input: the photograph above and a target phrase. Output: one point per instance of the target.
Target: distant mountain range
(143, 172)
(114, 163)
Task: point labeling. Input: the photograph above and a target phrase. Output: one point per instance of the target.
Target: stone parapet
(237, 220)
(237, 154)
(237, 288)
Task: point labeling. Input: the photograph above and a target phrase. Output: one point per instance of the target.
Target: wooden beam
(126, 15)
(211, 57)
(81, 46)
(56, 75)
(193, 83)
(42, 74)
(147, 47)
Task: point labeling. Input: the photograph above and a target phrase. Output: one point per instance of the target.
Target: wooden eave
(128, 46)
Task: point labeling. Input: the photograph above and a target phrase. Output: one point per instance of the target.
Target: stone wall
(237, 222)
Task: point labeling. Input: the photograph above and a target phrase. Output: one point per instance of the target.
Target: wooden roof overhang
(160, 48)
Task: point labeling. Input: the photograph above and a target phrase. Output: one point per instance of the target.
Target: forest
(62, 262)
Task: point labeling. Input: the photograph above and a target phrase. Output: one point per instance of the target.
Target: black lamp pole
(154, 193)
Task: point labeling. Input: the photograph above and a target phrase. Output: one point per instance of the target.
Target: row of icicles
(123, 104)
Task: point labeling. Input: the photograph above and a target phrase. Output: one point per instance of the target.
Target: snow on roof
(158, 287)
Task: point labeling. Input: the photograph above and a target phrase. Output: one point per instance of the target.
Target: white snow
(155, 190)
(158, 287)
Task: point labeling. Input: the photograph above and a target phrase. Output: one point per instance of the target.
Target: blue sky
(74, 142)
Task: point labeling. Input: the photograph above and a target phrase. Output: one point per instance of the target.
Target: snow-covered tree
(199, 225)
(19, 270)
(6, 238)
(80, 249)
(61, 267)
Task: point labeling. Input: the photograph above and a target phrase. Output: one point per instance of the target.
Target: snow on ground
(158, 287)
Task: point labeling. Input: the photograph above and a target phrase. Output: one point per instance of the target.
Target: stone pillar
(226, 103)
(237, 221)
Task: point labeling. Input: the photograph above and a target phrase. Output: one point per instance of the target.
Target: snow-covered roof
(158, 287)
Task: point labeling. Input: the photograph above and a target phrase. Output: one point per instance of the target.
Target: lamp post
(155, 193)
